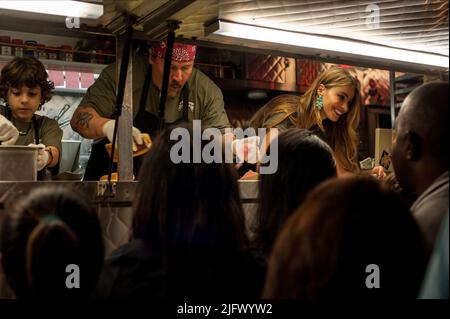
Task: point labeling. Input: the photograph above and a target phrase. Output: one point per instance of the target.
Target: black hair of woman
(351, 238)
(190, 213)
(304, 160)
(42, 234)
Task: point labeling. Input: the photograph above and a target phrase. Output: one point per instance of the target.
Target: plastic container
(100, 57)
(6, 50)
(41, 52)
(108, 49)
(18, 50)
(52, 53)
(30, 49)
(93, 56)
(66, 54)
(19, 163)
(5, 47)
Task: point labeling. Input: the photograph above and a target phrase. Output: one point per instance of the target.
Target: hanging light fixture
(328, 45)
(65, 8)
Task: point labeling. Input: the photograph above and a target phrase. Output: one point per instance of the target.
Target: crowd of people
(323, 228)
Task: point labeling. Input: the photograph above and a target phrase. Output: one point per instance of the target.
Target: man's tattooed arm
(83, 118)
(87, 122)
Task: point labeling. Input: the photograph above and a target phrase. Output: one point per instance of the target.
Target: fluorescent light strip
(243, 31)
(65, 8)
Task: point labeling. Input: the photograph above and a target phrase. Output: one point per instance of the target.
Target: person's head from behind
(181, 68)
(41, 235)
(304, 160)
(25, 87)
(420, 144)
(189, 211)
(351, 238)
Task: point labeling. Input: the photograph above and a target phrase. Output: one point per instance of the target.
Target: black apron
(146, 122)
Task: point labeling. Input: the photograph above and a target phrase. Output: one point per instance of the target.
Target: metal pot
(18, 163)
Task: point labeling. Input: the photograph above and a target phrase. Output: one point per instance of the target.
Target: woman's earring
(319, 102)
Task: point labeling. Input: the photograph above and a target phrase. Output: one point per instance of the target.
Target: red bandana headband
(181, 52)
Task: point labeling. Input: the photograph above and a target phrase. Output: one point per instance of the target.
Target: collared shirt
(430, 208)
(435, 284)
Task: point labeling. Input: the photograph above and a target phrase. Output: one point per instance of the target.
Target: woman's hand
(246, 149)
(378, 172)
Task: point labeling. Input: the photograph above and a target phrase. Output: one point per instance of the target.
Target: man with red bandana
(204, 100)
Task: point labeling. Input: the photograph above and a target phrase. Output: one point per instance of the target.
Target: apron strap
(8, 113)
(145, 89)
(36, 125)
(185, 93)
(36, 130)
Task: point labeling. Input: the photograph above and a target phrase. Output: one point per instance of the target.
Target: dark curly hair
(27, 71)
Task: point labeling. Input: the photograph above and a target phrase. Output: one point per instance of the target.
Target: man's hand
(8, 132)
(108, 131)
(43, 157)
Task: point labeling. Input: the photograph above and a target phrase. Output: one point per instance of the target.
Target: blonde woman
(330, 108)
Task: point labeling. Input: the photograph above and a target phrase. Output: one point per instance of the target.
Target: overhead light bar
(244, 31)
(65, 8)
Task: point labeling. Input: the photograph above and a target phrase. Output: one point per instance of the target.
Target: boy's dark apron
(146, 122)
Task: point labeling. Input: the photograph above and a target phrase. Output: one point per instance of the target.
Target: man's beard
(174, 88)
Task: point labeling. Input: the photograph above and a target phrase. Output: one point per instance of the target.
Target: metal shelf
(65, 65)
(56, 26)
(407, 83)
(236, 84)
(70, 91)
(409, 78)
(407, 90)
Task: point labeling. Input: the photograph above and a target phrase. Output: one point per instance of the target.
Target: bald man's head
(425, 112)
(422, 128)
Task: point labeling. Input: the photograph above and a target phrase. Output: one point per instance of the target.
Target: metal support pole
(392, 95)
(125, 142)
(172, 26)
(124, 120)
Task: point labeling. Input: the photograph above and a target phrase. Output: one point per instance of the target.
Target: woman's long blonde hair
(302, 112)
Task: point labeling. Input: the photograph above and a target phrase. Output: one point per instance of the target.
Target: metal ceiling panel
(413, 25)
